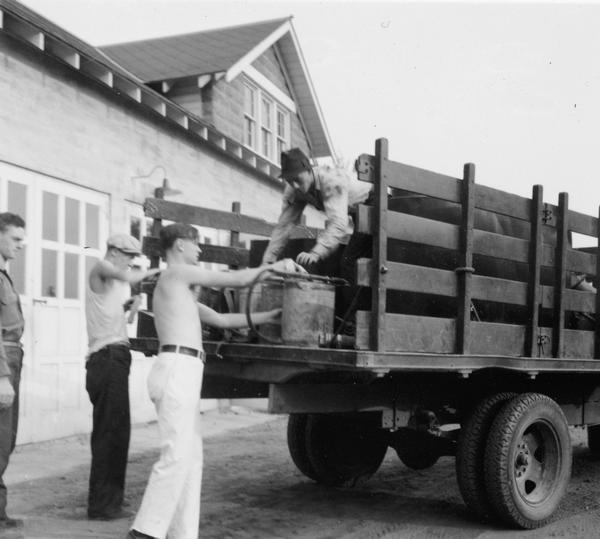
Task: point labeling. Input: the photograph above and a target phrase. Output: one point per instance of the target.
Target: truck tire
(344, 448)
(527, 460)
(296, 439)
(593, 436)
(470, 453)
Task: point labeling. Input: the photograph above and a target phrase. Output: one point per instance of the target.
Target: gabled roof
(227, 52)
(198, 53)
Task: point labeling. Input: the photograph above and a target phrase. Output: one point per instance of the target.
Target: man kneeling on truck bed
(171, 502)
(334, 192)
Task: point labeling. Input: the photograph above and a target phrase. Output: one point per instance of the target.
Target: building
(86, 134)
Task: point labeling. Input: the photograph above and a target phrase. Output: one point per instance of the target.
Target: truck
(478, 341)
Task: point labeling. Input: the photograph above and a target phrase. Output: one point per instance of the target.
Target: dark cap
(293, 162)
(125, 243)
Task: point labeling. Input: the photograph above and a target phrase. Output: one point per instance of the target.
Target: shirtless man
(107, 373)
(171, 502)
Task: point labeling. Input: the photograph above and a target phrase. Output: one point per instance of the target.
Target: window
(249, 115)
(283, 132)
(266, 127)
(266, 123)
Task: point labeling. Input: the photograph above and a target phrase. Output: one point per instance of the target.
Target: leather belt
(186, 350)
(14, 344)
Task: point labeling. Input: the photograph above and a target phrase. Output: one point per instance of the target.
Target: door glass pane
(50, 216)
(71, 275)
(49, 268)
(72, 221)
(92, 228)
(17, 199)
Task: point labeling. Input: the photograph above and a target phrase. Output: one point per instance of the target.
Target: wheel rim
(537, 463)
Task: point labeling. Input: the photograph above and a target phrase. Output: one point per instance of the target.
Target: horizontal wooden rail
(425, 182)
(231, 256)
(157, 208)
(408, 333)
(420, 230)
(435, 281)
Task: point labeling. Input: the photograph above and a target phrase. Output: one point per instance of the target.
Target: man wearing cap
(12, 236)
(107, 366)
(330, 190)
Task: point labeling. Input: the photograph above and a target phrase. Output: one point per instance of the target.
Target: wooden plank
(405, 227)
(561, 276)
(409, 333)
(490, 338)
(380, 239)
(581, 262)
(497, 201)
(432, 184)
(174, 211)
(425, 182)
(421, 181)
(411, 278)
(424, 231)
(234, 235)
(535, 266)
(578, 344)
(465, 270)
(426, 280)
(231, 256)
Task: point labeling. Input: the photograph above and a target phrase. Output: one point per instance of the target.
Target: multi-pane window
(266, 127)
(249, 115)
(283, 132)
(266, 123)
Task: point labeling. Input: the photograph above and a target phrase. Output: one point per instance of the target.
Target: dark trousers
(107, 384)
(352, 297)
(9, 420)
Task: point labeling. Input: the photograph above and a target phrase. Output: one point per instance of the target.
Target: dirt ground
(251, 489)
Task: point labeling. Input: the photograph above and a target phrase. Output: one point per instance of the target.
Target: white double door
(67, 227)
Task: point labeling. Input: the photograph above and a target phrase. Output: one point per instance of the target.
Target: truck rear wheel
(296, 439)
(593, 436)
(344, 448)
(470, 454)
(527, 460)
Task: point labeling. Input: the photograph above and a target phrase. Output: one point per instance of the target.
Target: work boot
(134, 534)
(113, 515)
(8, 522)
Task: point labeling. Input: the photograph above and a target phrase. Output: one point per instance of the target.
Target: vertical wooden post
(562, 243)
(465, 271)
(379, 262)
(597, 336)
(534, 290)
(234, 237)
(155, 232)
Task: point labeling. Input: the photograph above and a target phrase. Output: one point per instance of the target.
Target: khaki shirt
(334, 192)
(11, 318)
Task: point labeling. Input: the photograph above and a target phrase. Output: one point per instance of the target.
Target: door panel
(62, 243)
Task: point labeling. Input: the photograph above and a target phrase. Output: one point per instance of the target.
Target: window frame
(265, 129)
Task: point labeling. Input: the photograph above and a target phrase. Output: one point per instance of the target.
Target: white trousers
(171, 503)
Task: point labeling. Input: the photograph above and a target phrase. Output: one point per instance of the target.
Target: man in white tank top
(171, 503)
(107, 377)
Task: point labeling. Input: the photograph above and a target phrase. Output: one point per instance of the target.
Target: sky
(512, 87)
